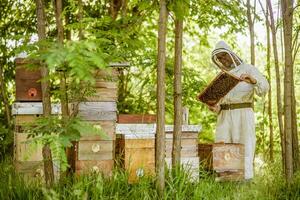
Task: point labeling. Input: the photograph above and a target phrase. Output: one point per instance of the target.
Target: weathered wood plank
(139, 143)
(33, 108)
(98, 106)
(106, 84)
(109, 127)
(151, 129)
(237, 175)
(108, 74)
(104, 94)
(26, 149)
(25, 119)
(188, 162)
(95, 150)
(185, 135)
(136, 118)
(94, 115)
(188, 152)
(88, 166)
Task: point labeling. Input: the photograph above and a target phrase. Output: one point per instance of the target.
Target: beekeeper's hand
(248, 78)
(215, 108)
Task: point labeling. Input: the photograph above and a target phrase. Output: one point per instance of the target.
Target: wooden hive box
(28, 86)
(226, 159)
(28, 158)
(136, 154)
(189, 147)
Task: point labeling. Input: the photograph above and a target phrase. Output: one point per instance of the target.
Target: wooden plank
(189, 162)
(185, 128)
(135, 129)
(99, 106)
(139, 143)
(237, 175)
(136, 118)
(25, 149)
(109, 127)
(88, 166)
(33, 108)
(31, 168)
(95, 150)
(104, 94)
(185, 135)
(106, 84)
(94, 115)
(108, 74)
(188, 152)
(184, 143)
(25, 119)
(151, 128)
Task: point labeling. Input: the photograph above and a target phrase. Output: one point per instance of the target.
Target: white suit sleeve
(262, 85)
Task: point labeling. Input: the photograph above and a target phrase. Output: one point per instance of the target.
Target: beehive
(189, 147)
(94, 153)
(28, 157)
(28, 85)
(226, 159)
(136, 154)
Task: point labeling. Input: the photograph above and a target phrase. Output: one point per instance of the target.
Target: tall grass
(268, 184)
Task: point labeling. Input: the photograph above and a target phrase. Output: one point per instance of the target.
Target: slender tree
(4, 96)
(251, 20)
(287, 16)
(160, 128)
(278, 83)
(60, 38)
(176, 149)
(271, 142)
(47, 156)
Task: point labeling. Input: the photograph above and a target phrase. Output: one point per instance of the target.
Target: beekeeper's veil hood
(221, 47)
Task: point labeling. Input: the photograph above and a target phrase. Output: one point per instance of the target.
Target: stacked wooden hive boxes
(189, 147)
(136, 145)
(95, 153)
(27, 108)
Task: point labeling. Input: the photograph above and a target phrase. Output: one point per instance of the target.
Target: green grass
(268, 184)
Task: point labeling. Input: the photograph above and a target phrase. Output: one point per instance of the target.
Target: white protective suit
(237, 125)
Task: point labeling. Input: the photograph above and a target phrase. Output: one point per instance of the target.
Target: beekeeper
(235, 122)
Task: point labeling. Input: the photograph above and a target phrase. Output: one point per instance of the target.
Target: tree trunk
(251, 31)
(287, 16)
(80, 16)
(160, 128)
(296, 159)
(4, 95)
(278, 83)
(271, 145)
(176, 149)
(60, 38)
(47, 155)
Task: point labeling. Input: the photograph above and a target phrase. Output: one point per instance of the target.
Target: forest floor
(268, 184)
